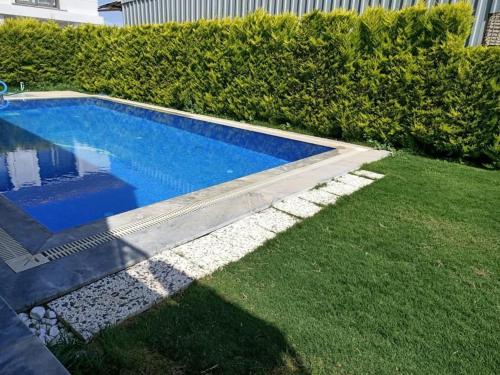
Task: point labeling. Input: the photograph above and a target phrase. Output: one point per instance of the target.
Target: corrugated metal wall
(139, 12)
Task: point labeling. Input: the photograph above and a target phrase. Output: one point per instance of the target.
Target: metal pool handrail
(3, 90)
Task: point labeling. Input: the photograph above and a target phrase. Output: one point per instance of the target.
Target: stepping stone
(339, 188)
(242, 237)
(181, 264)
(319, 196)
(208, 253)
(368, 174)
(273, 220)
(297, 207)
(353, 180)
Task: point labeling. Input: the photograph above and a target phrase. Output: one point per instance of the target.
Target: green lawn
(401, 277)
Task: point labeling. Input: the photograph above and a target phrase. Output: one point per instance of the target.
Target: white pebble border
(117, 297)
(43, 323)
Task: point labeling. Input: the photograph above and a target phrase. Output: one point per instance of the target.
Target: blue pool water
(73, 161)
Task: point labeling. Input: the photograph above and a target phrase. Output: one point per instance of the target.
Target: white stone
(352, 180)
(54, 331)
(49, 314)
(43, 339)
(207, 252)
(297, 207)
(319, 196)
(273, 220)
(368, 174)
(240, 238)
(116, 297)
(50, 322)
(339, 188)
(37, 312)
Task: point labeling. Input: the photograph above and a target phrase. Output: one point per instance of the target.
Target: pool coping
(238, 198)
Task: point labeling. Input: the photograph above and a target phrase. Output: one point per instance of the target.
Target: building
(64, 12)
(139, 12)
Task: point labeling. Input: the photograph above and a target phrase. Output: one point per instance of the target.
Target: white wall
(70, 11)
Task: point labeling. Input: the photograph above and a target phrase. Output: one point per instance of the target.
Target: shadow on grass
(195, 332)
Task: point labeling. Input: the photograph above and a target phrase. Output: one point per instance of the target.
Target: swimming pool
(69, 162)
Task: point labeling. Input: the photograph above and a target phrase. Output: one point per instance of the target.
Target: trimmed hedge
(398, 78)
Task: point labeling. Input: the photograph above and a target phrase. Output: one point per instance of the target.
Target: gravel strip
(45, 325)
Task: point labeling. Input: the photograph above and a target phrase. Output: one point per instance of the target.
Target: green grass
(402, 277)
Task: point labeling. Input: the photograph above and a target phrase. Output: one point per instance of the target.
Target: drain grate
(10, 248)
(16, 256)
(114, 234)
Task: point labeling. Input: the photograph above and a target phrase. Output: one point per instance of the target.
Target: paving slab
(131, 291)
(339, 188)
(208, 253)
(297, 207)
(368, 174)
(319, 196)
(115, 298)
(357, 181)
(273, 220)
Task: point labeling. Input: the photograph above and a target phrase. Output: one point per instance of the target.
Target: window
(39, 3)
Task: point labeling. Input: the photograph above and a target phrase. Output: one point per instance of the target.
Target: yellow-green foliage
(399, 78)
